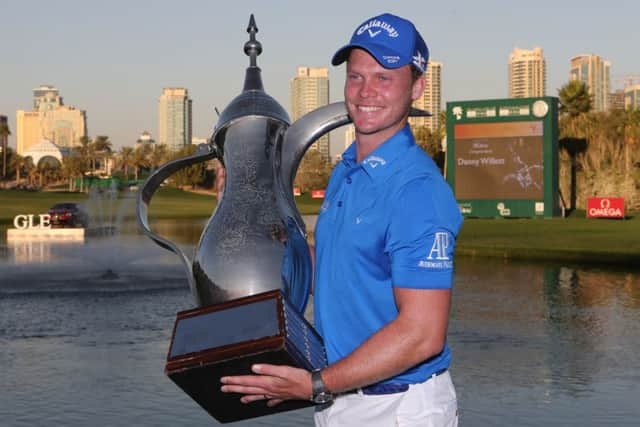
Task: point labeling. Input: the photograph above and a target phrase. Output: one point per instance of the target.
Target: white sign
(22, 222)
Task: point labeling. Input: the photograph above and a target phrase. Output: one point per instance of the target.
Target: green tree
(191, 175)
(85, 153)
(575, 99)
(159, 156)
(19, 164)
(141, 159)
(575, 103)
(313, 172)
(4, 138)
(102, 148)
(125, 161)
(72, 169)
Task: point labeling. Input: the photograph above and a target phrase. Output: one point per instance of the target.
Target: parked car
(68, 215)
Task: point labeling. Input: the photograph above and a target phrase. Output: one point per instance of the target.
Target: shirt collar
(377, 163)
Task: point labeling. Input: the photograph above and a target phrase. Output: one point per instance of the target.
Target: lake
(84, 331)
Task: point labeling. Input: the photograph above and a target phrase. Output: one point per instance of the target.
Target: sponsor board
(317, 194)
(605, 207)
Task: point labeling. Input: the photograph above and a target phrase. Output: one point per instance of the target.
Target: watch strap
(319, 392)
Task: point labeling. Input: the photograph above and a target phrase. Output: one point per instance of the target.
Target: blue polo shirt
(388, 221)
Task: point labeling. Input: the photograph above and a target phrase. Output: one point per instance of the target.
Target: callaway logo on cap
(393, 41)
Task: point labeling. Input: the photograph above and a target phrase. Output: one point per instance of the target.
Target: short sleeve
(422, 234)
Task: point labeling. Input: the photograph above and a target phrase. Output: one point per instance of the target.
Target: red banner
(317, 194)
(296, 191)
(605, 207)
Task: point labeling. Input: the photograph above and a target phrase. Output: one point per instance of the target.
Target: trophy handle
(152, 183)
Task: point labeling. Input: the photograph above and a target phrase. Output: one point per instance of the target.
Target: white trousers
(432, 403)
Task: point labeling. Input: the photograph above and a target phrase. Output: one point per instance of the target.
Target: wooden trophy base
(226, 339)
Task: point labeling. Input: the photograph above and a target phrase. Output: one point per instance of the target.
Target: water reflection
(533, 344)
(34, 251)
(557, 342)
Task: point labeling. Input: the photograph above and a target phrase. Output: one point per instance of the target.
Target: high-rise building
(527, 73)
(632, 97)
(50, 119)
(45, 94)
(592, 70)
(28, 130)
(616, 100)
(175, 122)
(310, 90)
(431, 99)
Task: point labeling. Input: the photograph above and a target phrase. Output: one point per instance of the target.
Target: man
(384, 251)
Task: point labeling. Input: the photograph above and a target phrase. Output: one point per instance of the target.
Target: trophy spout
(289, 152)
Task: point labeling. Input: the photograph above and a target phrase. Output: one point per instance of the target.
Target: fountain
(112, 255)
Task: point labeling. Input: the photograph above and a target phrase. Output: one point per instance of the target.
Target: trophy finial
(252, 48)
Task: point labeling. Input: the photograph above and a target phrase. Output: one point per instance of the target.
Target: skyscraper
(431, 99)
(45, 94)
(616, 100)
(50, 119)
(632, 97)
(527, 73)
(175, 122)
(592, 70)
(310, 90)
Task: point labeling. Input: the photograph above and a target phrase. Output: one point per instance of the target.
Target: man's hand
(273, 383)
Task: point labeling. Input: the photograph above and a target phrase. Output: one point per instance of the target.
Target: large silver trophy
(251, 273)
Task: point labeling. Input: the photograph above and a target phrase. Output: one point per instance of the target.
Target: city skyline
(113, 59)
(309, 91)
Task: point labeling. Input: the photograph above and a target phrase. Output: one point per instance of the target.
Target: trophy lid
(253, 101)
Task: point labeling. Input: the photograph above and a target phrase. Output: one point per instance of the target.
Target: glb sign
(22, 222)
(605, 207)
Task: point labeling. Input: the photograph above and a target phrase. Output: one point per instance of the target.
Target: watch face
(323, 397)
(540, 108)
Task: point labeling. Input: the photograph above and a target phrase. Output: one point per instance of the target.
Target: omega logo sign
(22, 222)
(605, 207)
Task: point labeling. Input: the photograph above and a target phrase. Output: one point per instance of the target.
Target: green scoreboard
(502, 157)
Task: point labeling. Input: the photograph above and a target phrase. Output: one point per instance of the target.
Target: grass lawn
(574, 239)
(166, 203)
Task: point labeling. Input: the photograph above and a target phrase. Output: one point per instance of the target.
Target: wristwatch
(319, 392)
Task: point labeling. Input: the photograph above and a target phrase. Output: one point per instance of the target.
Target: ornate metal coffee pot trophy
(251, 273)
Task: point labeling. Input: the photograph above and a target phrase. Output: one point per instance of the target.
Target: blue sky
(112, 58)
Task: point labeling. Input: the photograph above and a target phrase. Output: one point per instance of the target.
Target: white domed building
(46, 152)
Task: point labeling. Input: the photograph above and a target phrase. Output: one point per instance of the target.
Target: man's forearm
(403, 343)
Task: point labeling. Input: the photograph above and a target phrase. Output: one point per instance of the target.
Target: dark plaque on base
(226, 339)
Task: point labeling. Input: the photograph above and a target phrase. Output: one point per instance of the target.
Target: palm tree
(102, 148)
(141, 159)
(158, 156)
(126, 160)
(19, 163)
(71, 168)
(574, 98)
(84, 151)
(575, 103)
(4, 135)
